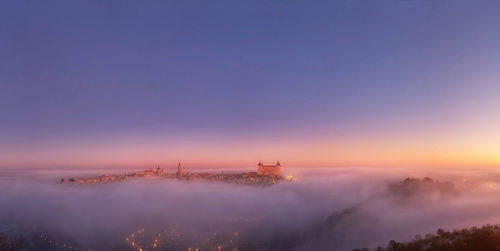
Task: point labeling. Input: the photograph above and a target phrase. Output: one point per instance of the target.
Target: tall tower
(160, 171)
(179, 170)
(260, 170)
(278, 168)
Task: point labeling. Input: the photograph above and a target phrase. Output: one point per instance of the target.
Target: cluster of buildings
(172, 239)
(265, 175)
(159, 172)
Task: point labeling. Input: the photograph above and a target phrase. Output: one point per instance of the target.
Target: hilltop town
(265, 175)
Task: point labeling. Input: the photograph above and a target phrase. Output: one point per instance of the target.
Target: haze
(101, 216)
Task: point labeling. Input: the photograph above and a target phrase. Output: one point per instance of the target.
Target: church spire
(179, 170)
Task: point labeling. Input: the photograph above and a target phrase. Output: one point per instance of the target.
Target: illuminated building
(160, 171)
(271, 170)
(179, 170)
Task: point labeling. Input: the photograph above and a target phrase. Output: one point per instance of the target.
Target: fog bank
(334, 208)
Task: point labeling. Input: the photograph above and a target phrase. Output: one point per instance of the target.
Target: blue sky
(105, 70)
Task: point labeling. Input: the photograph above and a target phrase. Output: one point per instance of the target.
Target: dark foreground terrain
(484, 238)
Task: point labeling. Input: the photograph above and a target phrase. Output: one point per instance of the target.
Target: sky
(229, 83)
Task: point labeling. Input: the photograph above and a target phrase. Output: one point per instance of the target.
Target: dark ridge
(485, 238)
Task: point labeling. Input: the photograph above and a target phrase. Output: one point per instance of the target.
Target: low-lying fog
(330, 208)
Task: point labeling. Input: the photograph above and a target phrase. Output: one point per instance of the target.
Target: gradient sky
(358, 82)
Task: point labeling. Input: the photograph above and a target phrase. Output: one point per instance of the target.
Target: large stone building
(272, 170)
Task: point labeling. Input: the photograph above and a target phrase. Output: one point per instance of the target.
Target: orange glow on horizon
(347, 150)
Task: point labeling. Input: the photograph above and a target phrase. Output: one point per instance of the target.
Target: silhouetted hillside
(486, 238)
(11, 244)
(337, 232)
(343, 230)
(411, 187)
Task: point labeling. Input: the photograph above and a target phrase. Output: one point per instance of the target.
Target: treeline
(485, 238)
(12, 243)
(414, 186)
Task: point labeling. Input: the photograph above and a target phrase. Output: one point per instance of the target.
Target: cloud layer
(341, 208)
